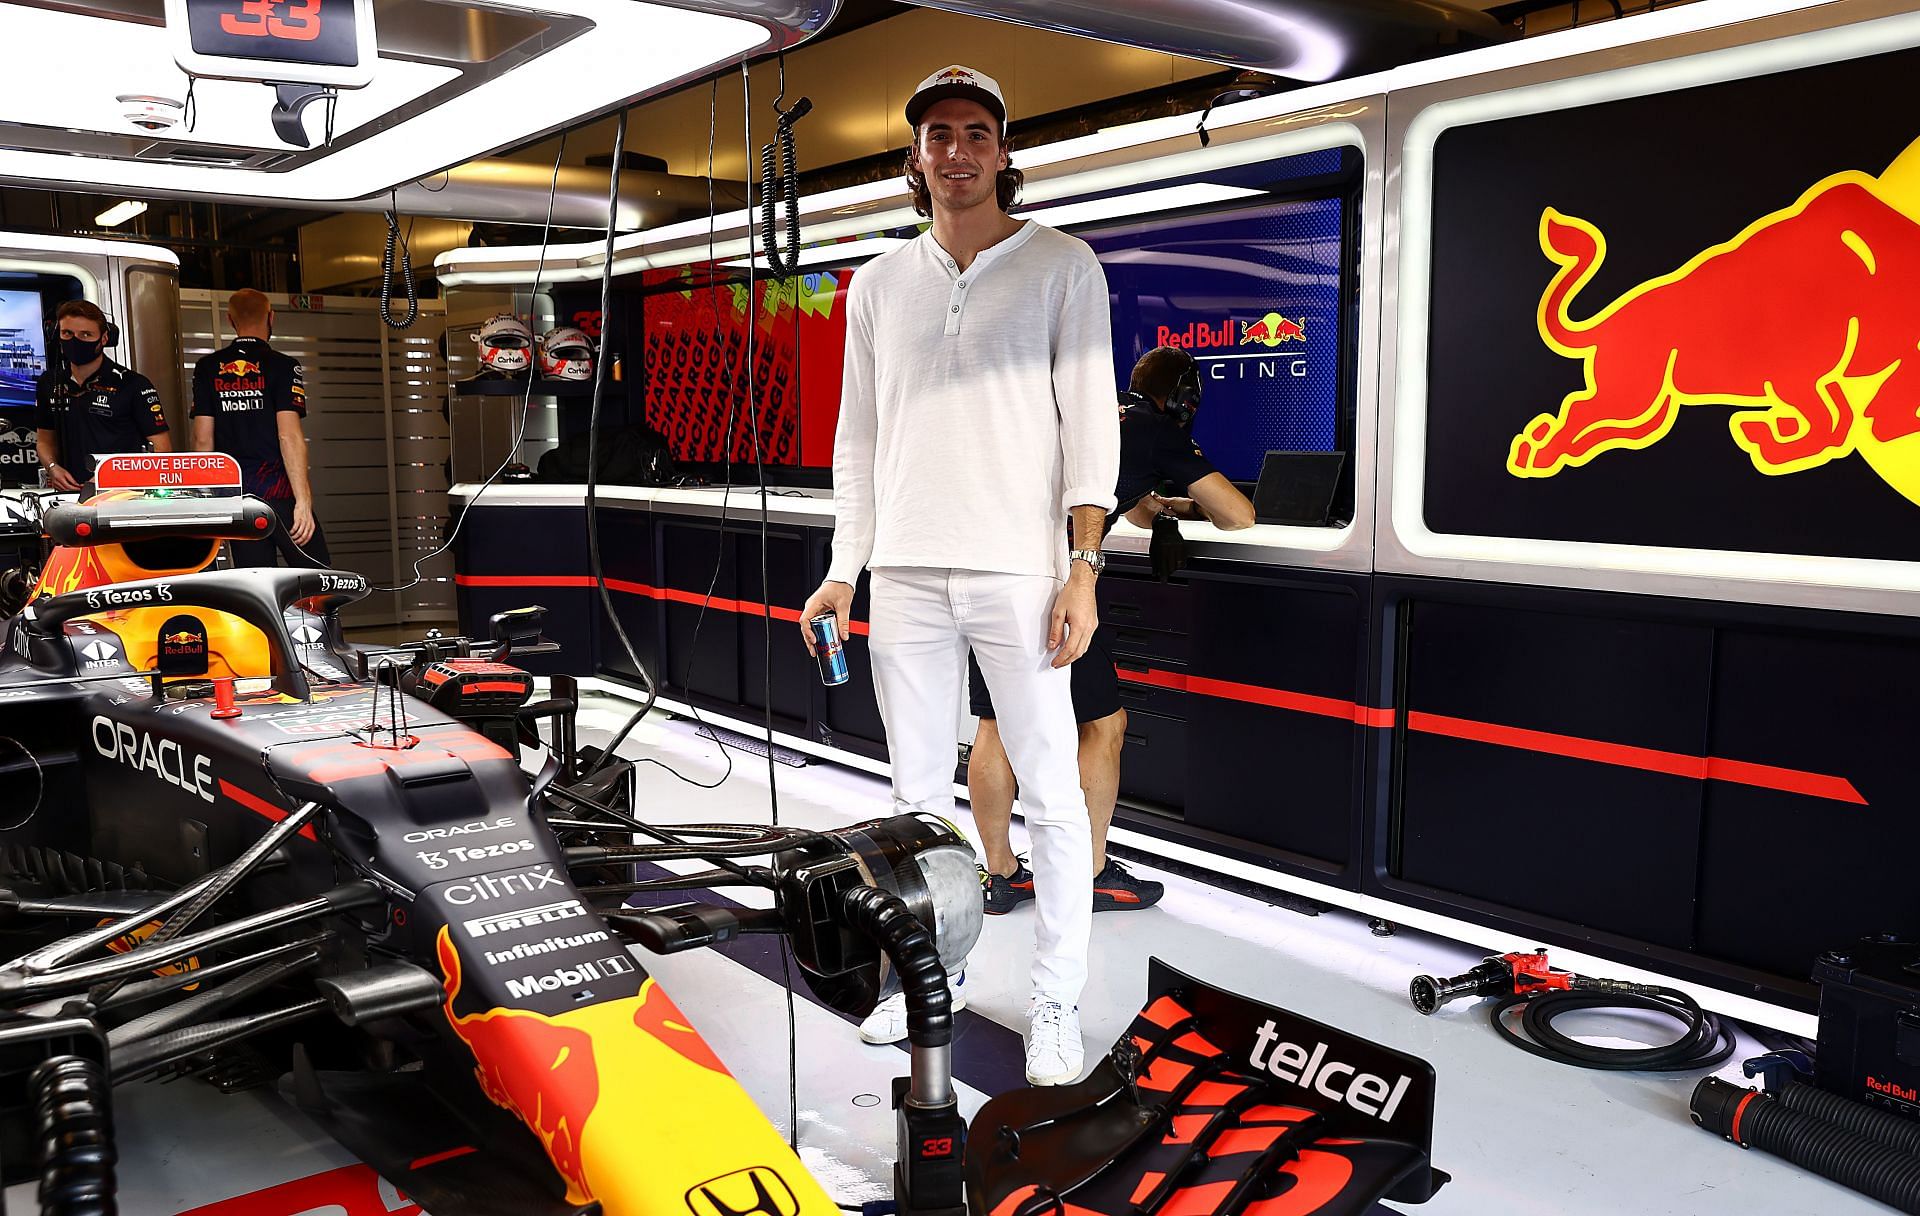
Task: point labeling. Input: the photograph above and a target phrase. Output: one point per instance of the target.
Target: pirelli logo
(756, 1191)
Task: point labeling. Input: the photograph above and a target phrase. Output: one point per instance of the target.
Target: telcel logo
(163, 758)
(1296, 1065)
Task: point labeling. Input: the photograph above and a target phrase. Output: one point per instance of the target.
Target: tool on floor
(1527, 982)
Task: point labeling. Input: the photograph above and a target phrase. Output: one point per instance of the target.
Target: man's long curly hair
(1006, 183)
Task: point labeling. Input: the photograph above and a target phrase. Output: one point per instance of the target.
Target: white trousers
(922, 622)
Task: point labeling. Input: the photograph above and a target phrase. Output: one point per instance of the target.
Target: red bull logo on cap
(1805, 324)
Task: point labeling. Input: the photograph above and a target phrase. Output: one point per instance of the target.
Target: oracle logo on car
(1311, 1070)
(164, 758)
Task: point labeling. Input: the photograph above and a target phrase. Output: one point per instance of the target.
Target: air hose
(1706, 1040)
(784, 264)
(887, 920)
(73, 1131)
(1879, 1126)
(1755, 1120)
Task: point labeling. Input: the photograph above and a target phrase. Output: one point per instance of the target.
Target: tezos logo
(110, 598)
(493, 886)
(1311, 1070)
(163, 757)
(570, 977)
(436, 859)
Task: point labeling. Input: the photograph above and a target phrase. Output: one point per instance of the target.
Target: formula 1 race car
(234, 845)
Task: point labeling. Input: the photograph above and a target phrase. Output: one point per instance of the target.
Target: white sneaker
(1054, 1053)
(888, 1021)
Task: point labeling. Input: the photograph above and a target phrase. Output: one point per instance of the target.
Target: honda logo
(756, 1191)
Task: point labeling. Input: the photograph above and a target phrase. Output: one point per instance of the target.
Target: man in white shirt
(976, 422)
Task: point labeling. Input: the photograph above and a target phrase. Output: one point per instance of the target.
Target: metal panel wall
(376, 438)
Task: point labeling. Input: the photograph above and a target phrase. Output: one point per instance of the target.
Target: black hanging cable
(652, 689)
(760, 482)
(593, 422)
(526, 398)
(773, 185)
(394, 239)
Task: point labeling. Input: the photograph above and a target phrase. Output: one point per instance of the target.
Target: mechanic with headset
(95, 407)
(248, 401)
(975, 422)
(1156, 450)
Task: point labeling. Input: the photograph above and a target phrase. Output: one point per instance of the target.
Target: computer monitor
(23, 349)
(1298, 488)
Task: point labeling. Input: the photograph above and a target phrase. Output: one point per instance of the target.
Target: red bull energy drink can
(825, 630)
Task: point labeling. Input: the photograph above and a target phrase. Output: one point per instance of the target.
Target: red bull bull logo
(1804, 324)
(1273, 329)
(183, 638)
(593, 1082)
(241, 367)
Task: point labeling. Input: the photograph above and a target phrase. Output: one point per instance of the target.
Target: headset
(1183, 399)
(110, 336)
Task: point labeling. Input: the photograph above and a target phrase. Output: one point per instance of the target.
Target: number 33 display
(321, 42)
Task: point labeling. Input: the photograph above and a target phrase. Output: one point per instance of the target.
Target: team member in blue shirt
(248, 401)
(96, 407)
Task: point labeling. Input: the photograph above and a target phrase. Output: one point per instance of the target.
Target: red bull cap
(958, 81)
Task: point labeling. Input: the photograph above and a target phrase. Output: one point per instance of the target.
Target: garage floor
(1519, 1135)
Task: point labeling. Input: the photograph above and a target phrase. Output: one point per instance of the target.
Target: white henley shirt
(977, 407)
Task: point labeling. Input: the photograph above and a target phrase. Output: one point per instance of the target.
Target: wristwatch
(1093, 557)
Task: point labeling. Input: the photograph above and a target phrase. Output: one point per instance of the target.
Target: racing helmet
(506, 345)
(566, 353)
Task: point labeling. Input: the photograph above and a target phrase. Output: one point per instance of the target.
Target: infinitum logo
(514, 954)
(1311, 1070)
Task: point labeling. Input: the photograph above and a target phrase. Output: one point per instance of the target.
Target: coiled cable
(394, 239)
(772, 185)
(1707, 1039)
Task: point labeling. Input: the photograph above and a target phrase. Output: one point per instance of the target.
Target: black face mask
(78, 351)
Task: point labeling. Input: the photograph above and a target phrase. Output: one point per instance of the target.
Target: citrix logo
(1311, 1070)
(493, 886)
